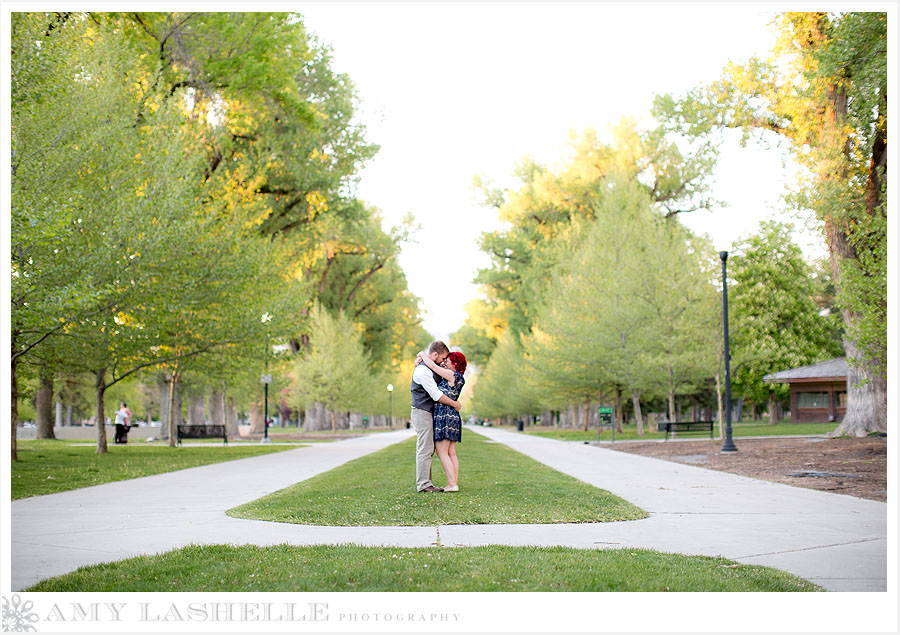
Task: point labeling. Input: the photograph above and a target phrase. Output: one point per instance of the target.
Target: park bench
(686, 426)
(201, 432)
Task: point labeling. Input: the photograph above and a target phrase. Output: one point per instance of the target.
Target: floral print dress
(447, 422)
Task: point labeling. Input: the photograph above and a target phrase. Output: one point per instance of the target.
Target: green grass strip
(448, 569)
(497, 485)
(51, 466)
(630, 433)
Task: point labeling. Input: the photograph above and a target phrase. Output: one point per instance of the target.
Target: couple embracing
(436, 383)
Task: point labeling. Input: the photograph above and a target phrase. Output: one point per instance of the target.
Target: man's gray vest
(420, 397)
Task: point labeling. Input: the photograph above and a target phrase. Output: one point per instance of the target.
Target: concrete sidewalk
(836, 541)
(58, 533)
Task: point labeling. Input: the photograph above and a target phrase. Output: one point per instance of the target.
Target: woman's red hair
(459, 360)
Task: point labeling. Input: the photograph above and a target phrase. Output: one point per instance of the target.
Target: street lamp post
(729, 445)
(390, 388)
(266, 379)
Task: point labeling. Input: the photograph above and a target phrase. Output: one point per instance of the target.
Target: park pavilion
(818, 391)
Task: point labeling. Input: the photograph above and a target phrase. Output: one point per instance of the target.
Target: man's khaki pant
(424, 426)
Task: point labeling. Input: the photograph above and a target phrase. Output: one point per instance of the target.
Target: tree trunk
(619, 417)
(315, 417)
(257, 425)
(231, 420)
(163, 385)
(672, 414)
(570, 416)
(217, 407)
(45, 406)
(196, 415)
(773, 411)
(866, 388)
(68, 416)
(100, 387)
(866, 400)
(284, 412)
(174, 407)
(638, 417)
(14, 405)
(59, 420)
(309, 418)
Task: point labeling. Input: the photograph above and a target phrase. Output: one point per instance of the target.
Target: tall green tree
(824, 90)
(775, 320)
(503, 388)
(335, 370)
(627, 309)
(94, 192)
(549, 200)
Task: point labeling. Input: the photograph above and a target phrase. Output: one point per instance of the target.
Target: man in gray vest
(424, 395)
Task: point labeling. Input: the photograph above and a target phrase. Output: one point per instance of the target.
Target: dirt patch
(860, 463)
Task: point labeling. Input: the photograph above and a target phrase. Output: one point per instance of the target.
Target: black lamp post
(729, 443)
(266, 379)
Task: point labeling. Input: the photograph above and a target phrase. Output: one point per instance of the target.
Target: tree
(336, 368)
(627, 308)
(93, 193)
(503, 388)
(549, 202)
(825, 91)
(479, 335)
(775, 321)
(175, 177)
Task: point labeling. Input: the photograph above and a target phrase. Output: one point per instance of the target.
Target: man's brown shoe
(431, 488)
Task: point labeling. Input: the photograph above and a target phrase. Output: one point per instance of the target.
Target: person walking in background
(123, 417)
(447, 422)
(425, 393)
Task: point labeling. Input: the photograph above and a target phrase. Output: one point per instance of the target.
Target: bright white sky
(450, 90)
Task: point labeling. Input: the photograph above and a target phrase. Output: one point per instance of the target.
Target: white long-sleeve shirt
(423, 376)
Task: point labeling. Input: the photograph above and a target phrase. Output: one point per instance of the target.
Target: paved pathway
(837, 541)
(834, 540)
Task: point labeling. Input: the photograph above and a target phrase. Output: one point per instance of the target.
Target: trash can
(407, 425)
(521, 425)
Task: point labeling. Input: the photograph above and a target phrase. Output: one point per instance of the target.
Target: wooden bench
(686, 426)
(201, 432)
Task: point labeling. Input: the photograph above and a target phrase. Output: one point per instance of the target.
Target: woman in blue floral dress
(447, 422)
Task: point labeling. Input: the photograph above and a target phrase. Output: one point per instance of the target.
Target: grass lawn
(497, 485)
(353, 568)
(746, 429)
(48, 466)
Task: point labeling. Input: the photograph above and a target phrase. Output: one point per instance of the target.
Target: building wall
(832, 410)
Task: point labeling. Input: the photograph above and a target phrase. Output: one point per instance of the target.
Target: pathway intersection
(836, 541)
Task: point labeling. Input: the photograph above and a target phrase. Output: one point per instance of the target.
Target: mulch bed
(776, 459)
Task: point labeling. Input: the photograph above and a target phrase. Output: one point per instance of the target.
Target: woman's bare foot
(454, 488)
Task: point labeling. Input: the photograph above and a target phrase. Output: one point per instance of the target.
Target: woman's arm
(446, 373)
